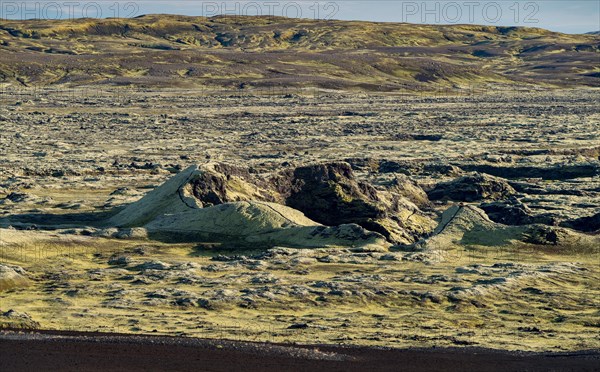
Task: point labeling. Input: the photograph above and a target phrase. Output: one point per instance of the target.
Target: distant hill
(265, 52)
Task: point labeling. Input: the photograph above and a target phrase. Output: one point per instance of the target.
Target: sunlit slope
(247, 52)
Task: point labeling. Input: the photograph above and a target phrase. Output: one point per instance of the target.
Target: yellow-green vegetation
(493, 297)
(73, 160)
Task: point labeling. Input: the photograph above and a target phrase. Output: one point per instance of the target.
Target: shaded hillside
(165, 50)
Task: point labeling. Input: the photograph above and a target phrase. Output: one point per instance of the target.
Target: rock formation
(585, 224)
(260, 224)
(12, 277)
(328, 194)
(469, 226)
(473, 187)
(513, 212)
(17, 320)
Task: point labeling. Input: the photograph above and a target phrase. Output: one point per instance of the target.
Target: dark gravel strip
(78, 351)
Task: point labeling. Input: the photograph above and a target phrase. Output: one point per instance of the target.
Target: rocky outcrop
(173, 196)
(513, 212)
(257, 224)
(195, 188)
(585, 224)
(557, 172)
(16, 320)
(409, 189)
(462, 226)
(328, 194)
(468, 225)
(473, 187)
(19, 197)
(12, 277)
(219, 183)
(331, 195)
(558, 236)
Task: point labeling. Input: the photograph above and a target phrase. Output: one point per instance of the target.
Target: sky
(557, 15)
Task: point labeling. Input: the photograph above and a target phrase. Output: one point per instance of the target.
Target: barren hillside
(265, 52)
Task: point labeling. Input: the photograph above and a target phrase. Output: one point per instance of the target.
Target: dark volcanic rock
(513, 212)
(445, 169)
(585, 224)
(329, 194)
(542, 235)
(563, 172)
(404, 186)
(527, 188)
(366, 164)
(533, 189)
(326, 193)
(17, 197)
(418, 137)
(388, 166)
(221, 183)
(15, 319)
(471, 188)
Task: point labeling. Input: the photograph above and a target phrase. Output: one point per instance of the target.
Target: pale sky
(557, 15)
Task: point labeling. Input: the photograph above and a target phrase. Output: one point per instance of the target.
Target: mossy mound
(12, 277)
(259, 224)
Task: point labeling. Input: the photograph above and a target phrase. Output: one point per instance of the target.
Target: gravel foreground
(76, 351)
